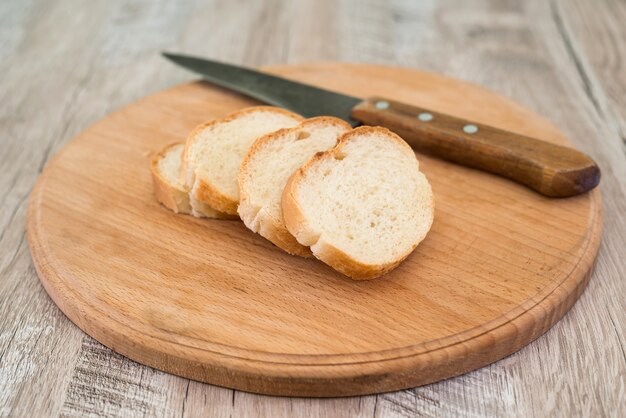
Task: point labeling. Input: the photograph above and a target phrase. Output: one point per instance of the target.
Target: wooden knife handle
(551, 170)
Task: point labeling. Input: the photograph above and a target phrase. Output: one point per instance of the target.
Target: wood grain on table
(66, 64)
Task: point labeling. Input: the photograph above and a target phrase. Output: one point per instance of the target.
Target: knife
(549, 169)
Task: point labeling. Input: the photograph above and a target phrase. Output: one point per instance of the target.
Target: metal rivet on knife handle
(425, 117)
(382, 105)
(470, 129)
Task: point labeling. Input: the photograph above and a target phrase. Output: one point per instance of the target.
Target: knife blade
(300, 98)
(549, 169)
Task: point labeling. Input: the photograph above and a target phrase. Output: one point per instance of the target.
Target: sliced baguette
(363, 206)
(169, 190)
(214, 151)
(266, 169)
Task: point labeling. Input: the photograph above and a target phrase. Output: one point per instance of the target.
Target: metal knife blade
(301, 98)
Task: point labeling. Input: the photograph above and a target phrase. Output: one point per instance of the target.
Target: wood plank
(106, 383)
(44, 103)
(513, 47)
(36, 341)
(595, 35)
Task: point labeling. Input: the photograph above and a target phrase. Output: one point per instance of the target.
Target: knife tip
(171, 56)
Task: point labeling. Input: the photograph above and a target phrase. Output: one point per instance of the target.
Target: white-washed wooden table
(66, 63)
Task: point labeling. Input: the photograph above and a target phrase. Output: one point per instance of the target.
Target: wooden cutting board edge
(284, 378)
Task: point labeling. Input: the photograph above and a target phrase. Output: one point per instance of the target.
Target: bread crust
(293, 216)
(257, 219)
(202, 210)
(204, 191)
(297, 224)
(170, 196)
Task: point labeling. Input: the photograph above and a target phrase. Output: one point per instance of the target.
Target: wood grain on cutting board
(211, 301)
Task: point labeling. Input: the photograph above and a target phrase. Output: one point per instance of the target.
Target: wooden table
(66, 64)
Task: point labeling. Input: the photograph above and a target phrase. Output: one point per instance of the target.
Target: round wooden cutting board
(210, 300)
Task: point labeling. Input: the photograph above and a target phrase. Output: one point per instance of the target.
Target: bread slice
(214, 151)
(169, 190)
(266, 169)
(362, 206)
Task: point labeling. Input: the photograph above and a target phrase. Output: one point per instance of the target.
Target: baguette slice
(266, 169)
(362, 206)
(169, 190)
(214, 151)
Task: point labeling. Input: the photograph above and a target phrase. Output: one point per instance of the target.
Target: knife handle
(550, 169)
